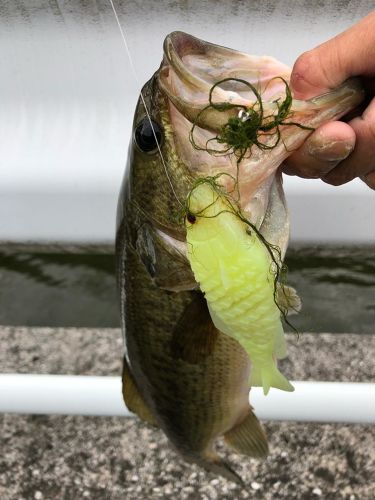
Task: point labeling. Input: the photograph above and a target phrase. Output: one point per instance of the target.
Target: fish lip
(176, 46)
(187, 91)
(181, 43)
(191, 68)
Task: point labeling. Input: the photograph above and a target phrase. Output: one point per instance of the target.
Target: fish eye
(148, 134)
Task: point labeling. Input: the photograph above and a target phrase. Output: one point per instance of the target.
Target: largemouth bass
(181, 372)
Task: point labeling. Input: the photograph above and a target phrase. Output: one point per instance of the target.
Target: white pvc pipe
(318, 402)
(101, 396)
(62, 395)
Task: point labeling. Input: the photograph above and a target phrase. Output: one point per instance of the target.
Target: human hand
(338, 151)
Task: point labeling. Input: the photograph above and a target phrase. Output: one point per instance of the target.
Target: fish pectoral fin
(195, 334)
(164, 259)
(132, 397)
(288, 299)
(248, 437)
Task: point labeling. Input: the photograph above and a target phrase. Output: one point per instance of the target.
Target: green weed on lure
(234, 270)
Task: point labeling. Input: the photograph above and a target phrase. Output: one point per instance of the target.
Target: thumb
(352, 53)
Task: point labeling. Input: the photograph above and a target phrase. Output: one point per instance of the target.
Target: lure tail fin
(267, 376)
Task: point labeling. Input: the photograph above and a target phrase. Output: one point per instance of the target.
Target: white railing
(101, 396)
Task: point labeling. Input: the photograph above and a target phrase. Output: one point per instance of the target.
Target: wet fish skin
(199, 391)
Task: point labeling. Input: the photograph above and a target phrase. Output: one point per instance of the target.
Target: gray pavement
(66, 457)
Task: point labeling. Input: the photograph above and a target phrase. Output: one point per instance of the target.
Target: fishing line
(143, 99)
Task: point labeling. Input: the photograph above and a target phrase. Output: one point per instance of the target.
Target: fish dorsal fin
(132, 397)
(248, 437)
(288, 299)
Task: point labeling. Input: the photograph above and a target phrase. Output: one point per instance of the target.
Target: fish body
(181, 372)
(234, 270)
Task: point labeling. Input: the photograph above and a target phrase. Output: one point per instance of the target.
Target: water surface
(336, 284)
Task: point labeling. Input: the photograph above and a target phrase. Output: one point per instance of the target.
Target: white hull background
(67, 96)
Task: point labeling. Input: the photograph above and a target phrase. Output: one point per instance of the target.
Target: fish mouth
(191, 67)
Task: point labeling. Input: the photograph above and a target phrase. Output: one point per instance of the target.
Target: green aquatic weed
(251, 127)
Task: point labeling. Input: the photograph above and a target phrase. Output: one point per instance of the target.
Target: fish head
(208, 87)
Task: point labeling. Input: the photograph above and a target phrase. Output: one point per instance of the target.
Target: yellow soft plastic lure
(233, 268)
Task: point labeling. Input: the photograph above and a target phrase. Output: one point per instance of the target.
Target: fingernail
(332, 151)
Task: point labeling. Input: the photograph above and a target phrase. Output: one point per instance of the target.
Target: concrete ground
(58, 457)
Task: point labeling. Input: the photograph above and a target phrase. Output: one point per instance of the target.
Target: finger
(362, 161)
(349, 54)
(322, 151)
